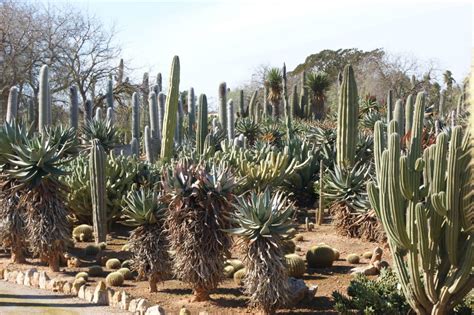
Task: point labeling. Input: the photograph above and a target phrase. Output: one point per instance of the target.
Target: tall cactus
(73, 108)
(135, 116)
(230, 120)
(12, 106)
(98, 114)
(87, 111)
(409, 109)
(389, 106)
(241, 104)
(201, 127)
(191, 111)
(253, 106)
(171, 108)
(286, 105)
(304, 97)
(442, 103)
(399, 116)
(135, 147)
(159, 82)
(266, 108)
(294, 104)
(110, 93)
(43, 101)
(153, 112)
(422, 199)
(178, 134)
(110, 115)
(31, 111)
(222, 105)
(148, 145)
(161, 114)
(98, 193)
(145, 89)
(348, 111)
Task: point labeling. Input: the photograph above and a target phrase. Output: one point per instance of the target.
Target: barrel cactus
(83, 275)
(127, 274)
(83, 233)
(114, 279)
(295, 265)
(320, 256)
(95, 271)
(113, 263)
(353, 258)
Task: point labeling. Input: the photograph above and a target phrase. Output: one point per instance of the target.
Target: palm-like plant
(274, 85)
(147, 241)
(35, 167)
(262, 223)
(318, 83)
(102, 130)
(199, 209)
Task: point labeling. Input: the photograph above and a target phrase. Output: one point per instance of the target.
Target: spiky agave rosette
(199, 204)
(262, 223)
(35, 166)
(147, 242)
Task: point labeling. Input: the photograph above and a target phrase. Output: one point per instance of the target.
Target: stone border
(101, 295)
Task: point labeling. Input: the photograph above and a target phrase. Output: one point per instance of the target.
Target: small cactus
(336, 254)
(78, 283)
(83, 233)
(102, 245)
(222, 105)
(367, 255)
(83, 275)
(239, 276)
(288, 246)
(91, 250)
(12, 106)
(126, 264)
(127, 274)
(235, 263)
(295, 265)
(353, 258)
(229, 271)
(321, 256)
(114, 279)
(95, 271)
(299, 238)
(113, 263)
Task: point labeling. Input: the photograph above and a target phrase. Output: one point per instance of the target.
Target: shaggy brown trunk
(200, 295)
(275, 109)
(53, 262)
(17, 255)
(152, 281)
(318, 109)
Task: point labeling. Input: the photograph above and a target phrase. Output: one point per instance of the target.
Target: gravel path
(17, 299)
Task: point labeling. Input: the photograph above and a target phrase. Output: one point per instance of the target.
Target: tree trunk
(152, 282)
(200, 295)
(53, 262)
(275, 110)
(18, 256)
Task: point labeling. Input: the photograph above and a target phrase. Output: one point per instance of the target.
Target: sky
(220, 41)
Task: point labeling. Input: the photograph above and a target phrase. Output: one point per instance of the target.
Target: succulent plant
(126, 264)
(91, 250)
(127, 274)
(288, 246)
(12, 105)
(83, 233)
(367, 255)
(229, 271)
(295, 265)
(114, 279)
(320, 256)
(95, 271)
(239, 276)
(102, 130)
(113, 263)
(83, 275)
(336, 254)
(353, 258)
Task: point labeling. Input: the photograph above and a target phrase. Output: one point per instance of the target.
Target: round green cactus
(114, 279)
(83, 275)
(336, 254)
(113, 263)
(126, 264)
(288, 246)
(79, 282)
(92, 250)
(320, 256)
(239, 275)
(83, 233)
(353, 258)
(367, 255)
(295, 265)
(95, 271)
(127, 274)
(229, 271)
(235, 263)
(102, 245)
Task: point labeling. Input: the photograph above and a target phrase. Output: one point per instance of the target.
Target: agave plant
(273, 83)
(35, 168)
(12, 216)
(370, 118)
(249, 128)
(103, 130)
(318, 83)
(262, 223)
(272, 134)
(147, 241)
(199, 206)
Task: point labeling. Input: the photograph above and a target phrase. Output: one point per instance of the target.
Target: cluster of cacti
(231, 266)
(320, 256)
(422, 199)
(98, 185)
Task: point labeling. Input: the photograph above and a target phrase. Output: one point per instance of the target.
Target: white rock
(132, 307)
(43, 280)
(156, 310)
(29, 276)
(125, 301)
(298, 290)
(89, 294)
(12, 276)
(82, 292)
(5, 275)
(35, 280)
(116, 298)
(142, 306)
(101, 296)
(20, 278)
(312, 291)
(67, 288)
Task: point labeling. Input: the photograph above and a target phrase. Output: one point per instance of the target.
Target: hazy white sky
(225, 40)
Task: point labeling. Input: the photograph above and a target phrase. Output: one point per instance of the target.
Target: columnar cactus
(230, 120)
(110, 93)
(43, 99)
(347, 117)
(241, 104)
(31, 111)
(145, 92)
(178, 134)
(389, 105)
(12, 106)
(253, 106)
(161, 114)
(153, 112)
(148, 145)
(171, 109)
(286, 105)
(409, 109)
(399, 117)
(442, 103)
(191, 111)
(266, 108)
(422, 199)
(304, 97)
(135, 147)
(201, 127)
(222, 105)
(135, 116)
(87, 111)
(73, 108)
(110, 116)
(159, 82)
(98, 114)
(294, 104)
(98, 194)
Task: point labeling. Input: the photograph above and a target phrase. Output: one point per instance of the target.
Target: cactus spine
(191, 111)
(201, 128)
(348, 112)
(171, 108)
(389, 106)
(398, 115)
(12, 106)
(230, 120)
(422, 201)
(43, 102)
(148, 145)
(222, 106)
(110, 93)
(73, 108)
(135, 116)
(98, 193)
